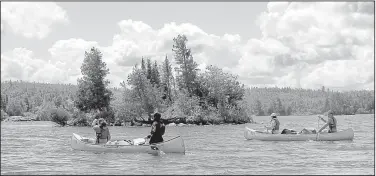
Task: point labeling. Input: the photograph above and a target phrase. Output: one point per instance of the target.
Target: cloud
(21, 64)
(303, 44)
(138, 39)
(343, 74)
(32, 19)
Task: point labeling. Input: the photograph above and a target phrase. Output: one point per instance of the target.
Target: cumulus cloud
(138, 39)
(303, 44)
(32, 19)
(21, 64)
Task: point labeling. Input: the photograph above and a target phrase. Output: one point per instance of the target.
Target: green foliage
(30, 96)
(258, 110)
(155, 79)
(44, 112)
(92, 93)
(59, 116)
(187, 70)
(3, 104)
(80, 119)
(308, 101)
(109, 116)
(144, 97)
(148, 69)
(222, 88)
(143, 64)
(14, 108)
(188, 105)
(167, 81)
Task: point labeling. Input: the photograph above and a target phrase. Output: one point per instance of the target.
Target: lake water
(42, 148)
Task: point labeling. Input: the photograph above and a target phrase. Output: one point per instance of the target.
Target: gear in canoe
(139, 145)
(252, 134)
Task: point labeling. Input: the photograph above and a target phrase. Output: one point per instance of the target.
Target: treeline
(183, 94)
(289, 101)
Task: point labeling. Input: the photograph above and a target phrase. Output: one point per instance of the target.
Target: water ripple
(42, 148)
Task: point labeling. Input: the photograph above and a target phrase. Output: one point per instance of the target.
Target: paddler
(102, 132)
(157, 130)
(331, 123)
(274, 124)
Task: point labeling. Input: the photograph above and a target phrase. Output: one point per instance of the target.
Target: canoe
(252, 134)
(173, 145)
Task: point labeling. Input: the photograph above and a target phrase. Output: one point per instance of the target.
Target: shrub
(213, 116)
(80, 119)
(59, 116)
(109, 116)
(44, 112)
(14, 108)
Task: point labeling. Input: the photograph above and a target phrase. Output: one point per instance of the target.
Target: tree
(271, 108)
(187, 70)
(155, 75)
(326, 106)
(143, 64)
(222, 88)
(144, 97)
(3, 102)
(167, 79)
(27, 103)
(289, 110)
(92, 93)
(280, 108)
(258, 108)
(148, 70)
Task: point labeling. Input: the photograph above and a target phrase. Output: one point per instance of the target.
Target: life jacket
(333, 125)
(162, 129)
(159, 131)
(101, 133)
(276, 127)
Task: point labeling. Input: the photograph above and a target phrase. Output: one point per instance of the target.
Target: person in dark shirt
(157, 130)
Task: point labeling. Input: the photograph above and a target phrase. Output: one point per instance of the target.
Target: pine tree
(187, 70)
(258, 108)
(155, 74)
(167, 79)
(148, 70)
(92, 93)
(143, 64)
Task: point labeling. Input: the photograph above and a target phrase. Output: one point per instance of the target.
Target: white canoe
(252, 134)
(173, 145)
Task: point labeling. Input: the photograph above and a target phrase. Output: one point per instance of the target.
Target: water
(43, 148)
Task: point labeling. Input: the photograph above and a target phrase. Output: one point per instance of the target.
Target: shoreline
(126, 124)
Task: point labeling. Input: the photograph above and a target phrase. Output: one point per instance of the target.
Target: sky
(266, 44)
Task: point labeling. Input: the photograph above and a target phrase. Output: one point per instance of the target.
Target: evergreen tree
(148, 70)
(258, 108)
(92, 92)
(155, 74)
(143, 64)
(187, 70)
(167, 79)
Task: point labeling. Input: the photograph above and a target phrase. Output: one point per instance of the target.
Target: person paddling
(157, 130)
(331, 123)
(102, 132)
(274, 124)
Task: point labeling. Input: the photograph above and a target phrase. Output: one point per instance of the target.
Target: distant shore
(129, 124)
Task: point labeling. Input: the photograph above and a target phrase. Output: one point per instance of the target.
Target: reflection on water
(42, 148)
